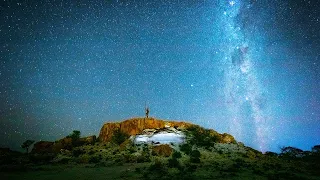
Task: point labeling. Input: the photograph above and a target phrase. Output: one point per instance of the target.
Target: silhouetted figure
(147, 112)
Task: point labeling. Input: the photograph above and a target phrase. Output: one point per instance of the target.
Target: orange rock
(162, 150)
(136, 126)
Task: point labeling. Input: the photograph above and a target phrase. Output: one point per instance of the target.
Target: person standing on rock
(147, 112)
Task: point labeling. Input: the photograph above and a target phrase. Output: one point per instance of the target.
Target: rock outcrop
(137, 126)
(162, 150)
(88, 140)
(227, 138)
(43, 147)
(64, 143)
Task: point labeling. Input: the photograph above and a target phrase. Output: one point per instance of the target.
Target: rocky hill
(131, 127)
(148, 148)
(136, 126)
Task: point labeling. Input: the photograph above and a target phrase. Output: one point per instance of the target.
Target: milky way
(246, 67)
(242, 87)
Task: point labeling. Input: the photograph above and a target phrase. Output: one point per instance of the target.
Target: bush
(64, 160)
(77, 152)
(195, 154)
(41, 158)
(83, 159)
(142, 159)
(138, 170)
(203, 137)
(75, 135)
(251, 154)
(91, 152)
(191, 167)
(291, 152)
(176, 155)
(94, 159)
(194, 160)
(271, 154)
(173, 163)
(316, 149)
(157, 166)
(119, 160)
(27, 144)
(186, 148)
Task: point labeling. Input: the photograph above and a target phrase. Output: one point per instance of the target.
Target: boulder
(43, 147)
(64, 143)
(227, 138)
(88, 140)
(162, 150)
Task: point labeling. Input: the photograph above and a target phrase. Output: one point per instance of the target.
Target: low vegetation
(203, 156)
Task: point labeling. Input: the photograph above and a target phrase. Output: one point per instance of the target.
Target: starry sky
(250, 68)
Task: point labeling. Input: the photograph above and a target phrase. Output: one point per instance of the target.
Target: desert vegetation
(204, 155)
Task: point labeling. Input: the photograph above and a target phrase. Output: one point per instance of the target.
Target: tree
(75, 135)
(291, 151)
(316, 149)
(271, 154)
(186, 148)
(195, 156)
(27, 144)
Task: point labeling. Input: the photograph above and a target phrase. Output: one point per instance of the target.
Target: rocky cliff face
(136, 126)
(43, 147)
(64, 143)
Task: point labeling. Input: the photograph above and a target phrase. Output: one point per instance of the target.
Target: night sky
(250, 68)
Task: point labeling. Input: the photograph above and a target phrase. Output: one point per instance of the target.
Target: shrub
(291, 152)
(132, 150)
(27, 144)
(316, 149)
(173, 163)
(142, 159)
(271, 154)
(186, 148)
(77, 152)
(239, 162)
(251, 154)
(138, 170)
(194, 160)
(83, 159)
(195, 156)
(91, 152)
(94, 159)
(176, 155)
(64, 160)
(191, 167)
(75, 135)
(202, 137)
(195, 153)
(157, 166)
(41, 158)
(119, 159)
